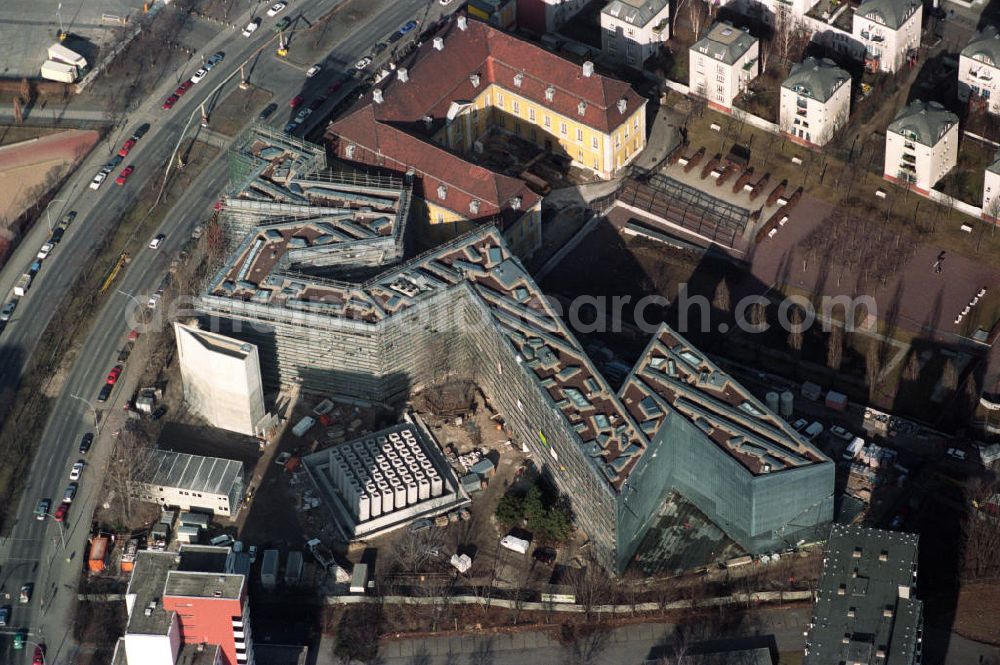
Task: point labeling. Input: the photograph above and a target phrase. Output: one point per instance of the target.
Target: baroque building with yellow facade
(469, 80)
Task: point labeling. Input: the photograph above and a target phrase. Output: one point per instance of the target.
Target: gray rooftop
(203, 585)
(725, 43)
(923, 122)
(891, 13)
(984, 46)
(816, 79)
(994, 166)
(636, 12)
(866, 610)
(194, 473)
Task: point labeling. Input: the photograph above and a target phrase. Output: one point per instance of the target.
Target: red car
(126, 147)
(333, 87)
(219, 204)
(123, 176)
(170, 101)
(183, 88)
(39, 655)
(61, 511)
(113, 375)
(296, 101)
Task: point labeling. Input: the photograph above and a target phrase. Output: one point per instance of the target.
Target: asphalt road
(34, 550)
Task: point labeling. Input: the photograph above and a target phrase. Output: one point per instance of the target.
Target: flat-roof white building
(815, 101)
(889, 30)
(722, 64)
(193, 482)
(221, 379)
(979, 70)
(921, 145)
(633, 30)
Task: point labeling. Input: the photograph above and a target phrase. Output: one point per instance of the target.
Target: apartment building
(544, 16)
(470, 82)
(866, 606)
(815, 101)
(783, 13)
(979, 70)
(889, 31)
(921, 145)
(187, 608)
(633, 30)
(722, 64)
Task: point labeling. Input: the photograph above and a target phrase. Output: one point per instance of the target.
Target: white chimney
(518, 79)
(588, 68)
(622, 105)
(442, 192)
(474, 80)
(428, 121)
(550, 93)
(581, 108)
(474, 206)
(402, 74)
(515, 203)
(377, 96)
(439, 43)
(463, 23)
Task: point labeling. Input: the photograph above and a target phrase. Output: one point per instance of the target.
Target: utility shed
(293, 569)
(207, 484)
(269, 569)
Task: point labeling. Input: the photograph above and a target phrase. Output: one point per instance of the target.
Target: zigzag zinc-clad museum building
(297, 235)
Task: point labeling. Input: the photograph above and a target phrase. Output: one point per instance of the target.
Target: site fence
(754, 598)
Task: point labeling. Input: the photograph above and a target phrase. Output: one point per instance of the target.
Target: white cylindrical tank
(787, 403)
(771, 399)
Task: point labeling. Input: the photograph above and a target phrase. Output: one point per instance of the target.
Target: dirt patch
(15, 133)
(977, 612)
(231, 115)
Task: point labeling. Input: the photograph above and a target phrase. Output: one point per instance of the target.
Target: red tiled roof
(400, 151)
(438, 78)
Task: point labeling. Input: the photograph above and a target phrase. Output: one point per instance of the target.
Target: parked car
(86, 442)
(291, 127)
(253, 554)
(199, 75)
(4, 615)
(276, 8)
(105, 392)
(70, 493)
(813, 431)
(8, 311)
(157, 240)
(123, 176)
(282, 24)
(75, 472)
(39, 658)
(98, 180)
(26, 590)
(42, 509)
(19, 638)
(363, 62)
(545, 555)
(251, 27)
(301, 116)
(169, 102)
(296, 101)
(421, 524)
(113, 375)
(267, 111)
(61, 512)
(126, 147)
(154, 300)
(956, 453)
(215, 59)
(140, 131)
(158, 412)
(113, 163)
(313, 71)
(800, 424)
(184, 87)
(841, 433)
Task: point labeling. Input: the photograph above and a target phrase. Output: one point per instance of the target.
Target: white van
(813, 431)
(222, 540)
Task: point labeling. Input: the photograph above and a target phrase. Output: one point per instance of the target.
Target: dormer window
(581, 108)
(550, 93)
(474, 206)
(622, 105)
(515, 203)
(349, 151)
(474, 80)
(442, 192)
(518, 79)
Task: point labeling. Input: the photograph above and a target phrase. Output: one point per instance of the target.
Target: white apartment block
(722, 64)
(889, 30)
(991, 190)
(632, 30)
(979, 70)
(545, 16)
(815, 101)
(921, 145)
(773, 12)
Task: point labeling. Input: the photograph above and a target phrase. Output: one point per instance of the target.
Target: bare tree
(18, 112)
(132, 464)
(835, 347)
(949, 375)
(721, 301)
(415, 551)
(873, 368)
(795, 336)
(698, 12)
(911, 372)
(588, 643)
(758, 314)
(980, 532)
(592, 588)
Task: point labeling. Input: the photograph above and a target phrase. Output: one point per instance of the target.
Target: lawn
(965, 181)
(16, 133)
(232, 114)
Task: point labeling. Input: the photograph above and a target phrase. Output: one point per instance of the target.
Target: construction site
(469, 310)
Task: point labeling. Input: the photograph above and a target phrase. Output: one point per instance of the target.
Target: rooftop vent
(463, 23)
(474, 206)
(428, 120)
(349, 151)
(550, 93)
(515, 203)
(581, 108)
(883, 555)
(474, 80)
(588, 69)
(402, 74)
(857, 553)
(622, 105)
(518, 79)
(377, 95)
(439, 43)
(442, 192)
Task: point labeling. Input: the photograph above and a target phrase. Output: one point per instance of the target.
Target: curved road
(34, 550)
